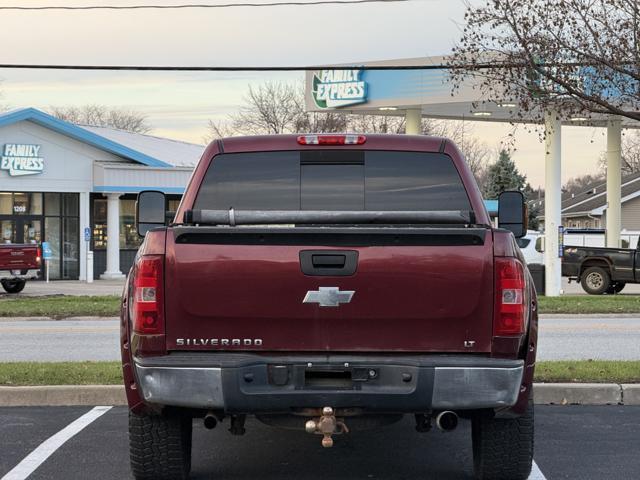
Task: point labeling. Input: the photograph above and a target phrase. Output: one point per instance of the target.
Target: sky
(179, 105)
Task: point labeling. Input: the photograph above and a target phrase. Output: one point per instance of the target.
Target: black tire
(160, 446)
(13, 285)
(503, 447)
(617, 287)
(595, 280)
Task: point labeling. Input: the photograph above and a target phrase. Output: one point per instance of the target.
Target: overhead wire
(292, 3)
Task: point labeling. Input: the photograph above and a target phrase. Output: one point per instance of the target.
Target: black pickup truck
(602, 270)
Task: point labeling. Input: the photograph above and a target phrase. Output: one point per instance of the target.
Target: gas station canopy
(393, 92)
(429, 92)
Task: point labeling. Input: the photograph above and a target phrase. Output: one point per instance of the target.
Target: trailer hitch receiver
(326, 425)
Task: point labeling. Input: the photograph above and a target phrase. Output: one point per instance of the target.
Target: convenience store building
(60, 181)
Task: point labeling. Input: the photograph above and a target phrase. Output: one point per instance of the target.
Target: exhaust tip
(210, 421)
(447, 421)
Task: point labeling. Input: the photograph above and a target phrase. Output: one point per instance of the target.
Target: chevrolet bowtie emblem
(328, 296)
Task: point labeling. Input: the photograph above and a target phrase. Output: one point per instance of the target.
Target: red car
(18, 263)
(330, 283)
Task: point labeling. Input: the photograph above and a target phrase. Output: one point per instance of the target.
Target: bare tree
(271, 108)
(103, 116)
(581, 183)
(630, 154)
(376, 124)
(274, 107)
(581, 57)
(326, 122)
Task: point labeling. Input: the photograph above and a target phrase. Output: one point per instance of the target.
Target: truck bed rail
(233, 217)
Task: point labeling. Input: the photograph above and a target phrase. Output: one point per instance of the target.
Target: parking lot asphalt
(573, 442)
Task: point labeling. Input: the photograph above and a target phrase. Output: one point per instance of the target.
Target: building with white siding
(588, 208)
(59, 181)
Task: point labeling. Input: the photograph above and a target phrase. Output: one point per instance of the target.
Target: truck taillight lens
(510, 298)
(345, 139)
(38, 255)
(147, 312)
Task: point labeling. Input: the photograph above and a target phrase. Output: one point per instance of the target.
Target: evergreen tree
(502, 176)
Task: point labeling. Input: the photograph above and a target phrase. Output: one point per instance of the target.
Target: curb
(544, 394)
(59, 395)
(577, 393)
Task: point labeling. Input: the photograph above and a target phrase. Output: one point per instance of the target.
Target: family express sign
(338, 88)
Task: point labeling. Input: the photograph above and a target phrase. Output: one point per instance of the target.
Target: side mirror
(151, 207)
(512, 213)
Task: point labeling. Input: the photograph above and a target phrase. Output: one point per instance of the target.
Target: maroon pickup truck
(329, 283)
(18, 263)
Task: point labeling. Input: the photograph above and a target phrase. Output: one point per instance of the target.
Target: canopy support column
(413, 121)
(614, 181)
(113, 238)
(552, 203)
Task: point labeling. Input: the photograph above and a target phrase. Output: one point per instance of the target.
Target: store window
(20, 203)
(129, 238)
(52, 204)
(172, 205)
(61, 226)
(99, 223)
(6, 203)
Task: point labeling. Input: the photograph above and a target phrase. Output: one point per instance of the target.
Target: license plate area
(323, 379)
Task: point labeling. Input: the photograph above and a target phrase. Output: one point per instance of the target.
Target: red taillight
(348, 139)
(38, 255)
(147, 304)
(510, 298)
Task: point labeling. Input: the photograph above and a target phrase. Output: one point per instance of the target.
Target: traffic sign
(87, 234)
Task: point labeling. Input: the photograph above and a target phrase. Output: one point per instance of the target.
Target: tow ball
(326, 425)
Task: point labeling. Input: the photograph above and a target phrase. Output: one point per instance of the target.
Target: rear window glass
(332, 180)
(523, 242)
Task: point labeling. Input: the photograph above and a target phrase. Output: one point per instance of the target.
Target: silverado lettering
(233, 342)
(330, 282)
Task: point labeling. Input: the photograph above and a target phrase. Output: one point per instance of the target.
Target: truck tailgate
(244, 290)
(18, 257)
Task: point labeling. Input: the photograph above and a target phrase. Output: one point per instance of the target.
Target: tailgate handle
(329, 262)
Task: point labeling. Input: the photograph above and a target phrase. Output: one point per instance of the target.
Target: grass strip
(590, 304)
(60, 373)
(588, 371)
(110, 373)
(62, 306)
(108, 306)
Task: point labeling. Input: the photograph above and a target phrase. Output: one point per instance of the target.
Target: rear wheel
(503, 447)
(160, 446)
(595, 280)
(13, 285)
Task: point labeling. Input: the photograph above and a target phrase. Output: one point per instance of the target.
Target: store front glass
(34, 217)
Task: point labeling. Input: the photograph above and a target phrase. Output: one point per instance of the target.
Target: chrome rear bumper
(406, 384)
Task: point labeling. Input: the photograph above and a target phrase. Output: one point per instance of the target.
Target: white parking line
(32, 461)
(536, 473)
